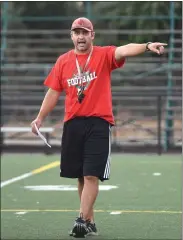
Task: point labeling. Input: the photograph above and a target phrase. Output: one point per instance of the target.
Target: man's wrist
(147, 46)
(40, 118)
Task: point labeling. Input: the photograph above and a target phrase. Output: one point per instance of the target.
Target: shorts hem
(80, 176)
(99, 177)
(69, 176)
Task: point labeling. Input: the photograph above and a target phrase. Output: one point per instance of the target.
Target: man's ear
(71, 33)
(93, 35)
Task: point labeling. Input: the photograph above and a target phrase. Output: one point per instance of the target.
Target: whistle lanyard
(86, 64)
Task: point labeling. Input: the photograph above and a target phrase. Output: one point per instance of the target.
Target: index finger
(163, 44)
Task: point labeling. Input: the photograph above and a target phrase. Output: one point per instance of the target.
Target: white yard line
(26, 175)
(12, 180)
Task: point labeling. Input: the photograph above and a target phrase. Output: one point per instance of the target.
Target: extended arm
(134, 49)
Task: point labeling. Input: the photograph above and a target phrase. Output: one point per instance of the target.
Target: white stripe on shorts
(107, 167)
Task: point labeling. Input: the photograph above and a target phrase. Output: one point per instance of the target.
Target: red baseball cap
(83, 23)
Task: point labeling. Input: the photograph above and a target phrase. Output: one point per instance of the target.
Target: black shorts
(86, 148)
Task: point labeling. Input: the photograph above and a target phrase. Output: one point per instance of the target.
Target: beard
(83, 47)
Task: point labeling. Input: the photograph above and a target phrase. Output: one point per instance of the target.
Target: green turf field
(146, 203)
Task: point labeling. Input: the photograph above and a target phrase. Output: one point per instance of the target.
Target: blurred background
(147, 92)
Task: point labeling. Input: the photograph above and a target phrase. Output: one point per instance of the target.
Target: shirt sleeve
(113, 64)
(54, 78)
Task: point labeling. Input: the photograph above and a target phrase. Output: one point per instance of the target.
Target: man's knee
(91, 179)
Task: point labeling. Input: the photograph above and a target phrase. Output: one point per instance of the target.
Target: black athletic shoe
(80, 229)
(92, 230)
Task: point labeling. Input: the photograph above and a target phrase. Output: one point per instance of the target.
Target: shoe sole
(78, 235)
(88, 234)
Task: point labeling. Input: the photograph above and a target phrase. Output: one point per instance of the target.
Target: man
(84, 74)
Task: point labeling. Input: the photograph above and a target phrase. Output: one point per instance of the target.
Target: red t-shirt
(96, 79)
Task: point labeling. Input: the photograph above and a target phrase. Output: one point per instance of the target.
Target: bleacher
(29, 56)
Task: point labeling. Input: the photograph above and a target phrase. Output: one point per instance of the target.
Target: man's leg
(84, 224)
(80, 186)
(96, 162)
(72, 163)
(80, 190)
(96, 165)
(88, 196)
